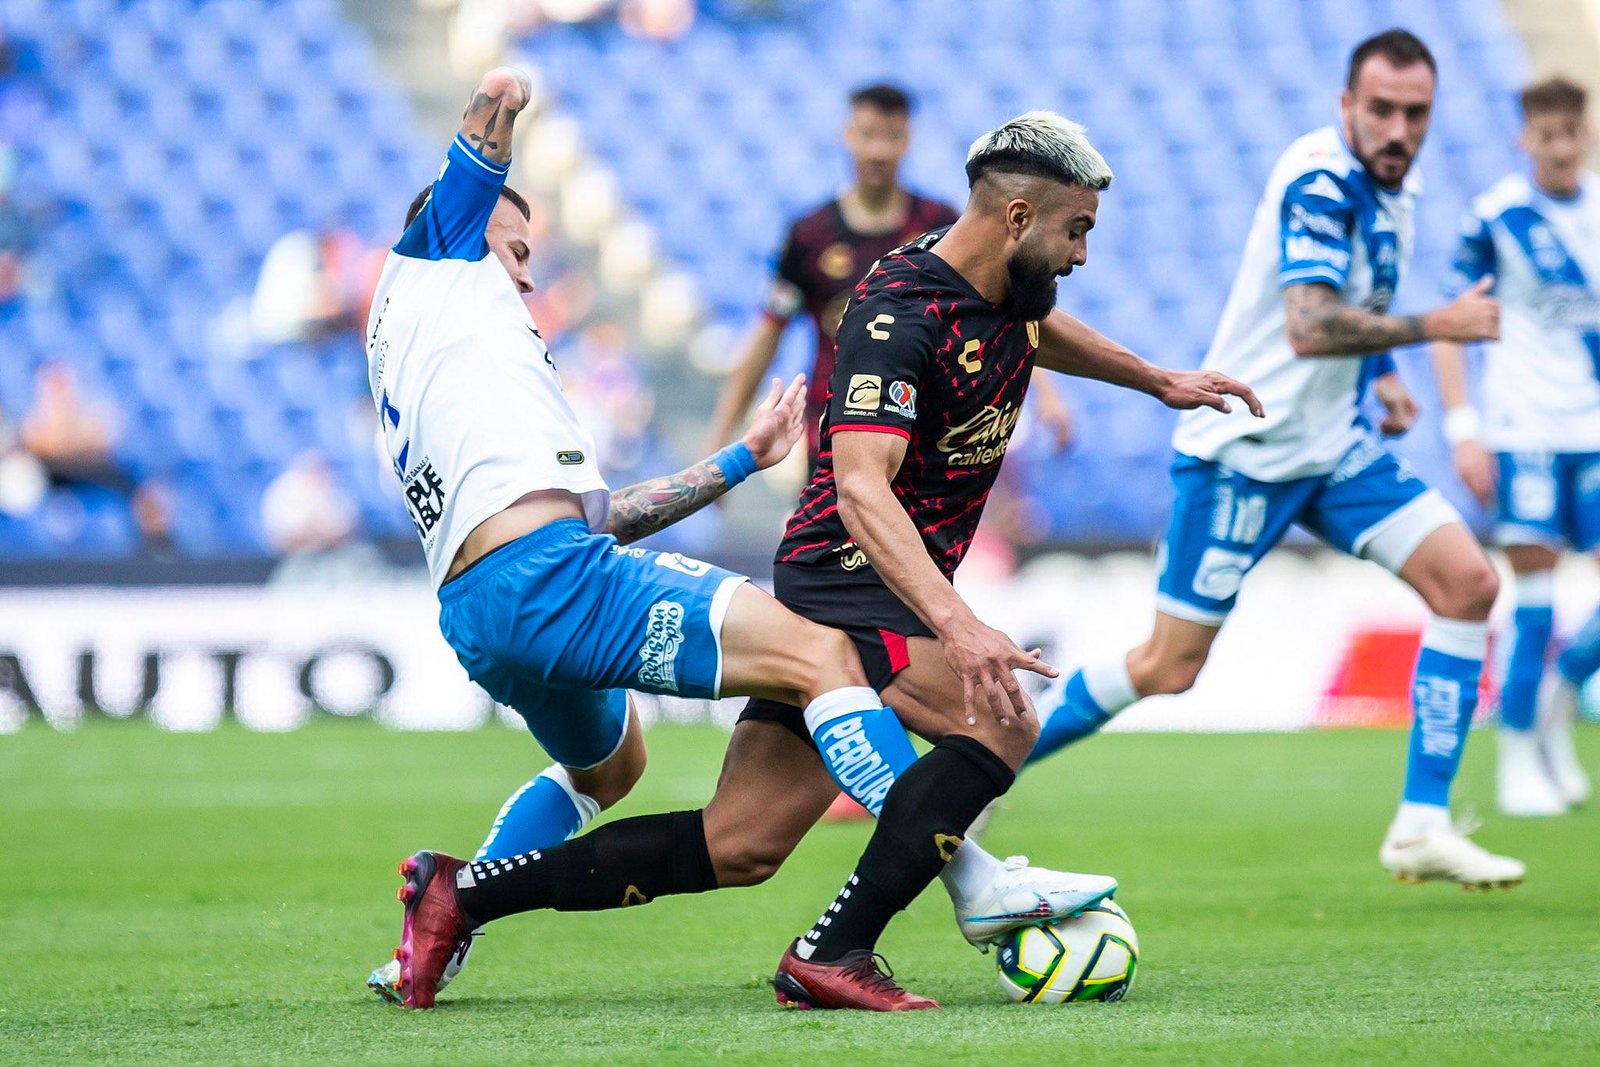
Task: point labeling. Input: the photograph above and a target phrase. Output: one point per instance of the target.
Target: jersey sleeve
(786, 291)
(451, 223)
(1316, 230)
(1474, 256)
(886, 346)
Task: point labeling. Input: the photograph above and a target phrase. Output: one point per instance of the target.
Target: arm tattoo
(487, 121)
(1319, 320)
(641, 510)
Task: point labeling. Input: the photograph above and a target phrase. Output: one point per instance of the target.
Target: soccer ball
(1091, 956)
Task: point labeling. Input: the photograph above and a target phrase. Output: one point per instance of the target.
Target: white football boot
(385, 981)
(1446, 854)
(1523, 786)
(1558, 714)
(1021, 895)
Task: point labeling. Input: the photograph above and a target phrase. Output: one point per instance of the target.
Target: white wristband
(1461, 424)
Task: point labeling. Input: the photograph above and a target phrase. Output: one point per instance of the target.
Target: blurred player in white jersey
(1533, 455)
(1305, 326)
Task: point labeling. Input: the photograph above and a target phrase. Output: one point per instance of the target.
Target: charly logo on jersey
(663, 638)
(863, 395)
(982, 439)
(876, 330)
(902, 400)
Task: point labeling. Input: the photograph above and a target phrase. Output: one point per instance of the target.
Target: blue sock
(862, 743)
(543, 813)
(1582, 658)
(1088, 701)
(1444, 694)
(1532, 624)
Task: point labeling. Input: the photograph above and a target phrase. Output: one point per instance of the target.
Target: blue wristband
(735, 462)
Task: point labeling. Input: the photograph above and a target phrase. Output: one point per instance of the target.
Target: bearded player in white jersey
(551, 613)
(1533, 454)
(1305, 326)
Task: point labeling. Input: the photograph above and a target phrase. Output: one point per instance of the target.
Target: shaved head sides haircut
(1040, 144)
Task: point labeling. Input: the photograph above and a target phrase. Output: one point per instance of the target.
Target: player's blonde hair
(1040, 143)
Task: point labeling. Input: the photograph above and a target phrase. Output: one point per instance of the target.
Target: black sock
(631, 861)
(927, 811)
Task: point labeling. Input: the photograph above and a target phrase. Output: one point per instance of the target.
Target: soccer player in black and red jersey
(828, 250)
(934, 356)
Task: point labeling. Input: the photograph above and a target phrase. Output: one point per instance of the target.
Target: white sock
(846, 700)
(970, 871)
(1416, 820)
(588, 807)
(1110, 685)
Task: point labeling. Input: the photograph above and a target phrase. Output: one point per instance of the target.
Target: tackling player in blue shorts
(1305, 326)
(1533, 455)
(549, 609)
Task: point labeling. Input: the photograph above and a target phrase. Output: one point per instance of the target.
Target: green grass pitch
(221, 897)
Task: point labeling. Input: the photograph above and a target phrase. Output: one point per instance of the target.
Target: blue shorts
(557, 623)
(1371, 505)
(1549, 498)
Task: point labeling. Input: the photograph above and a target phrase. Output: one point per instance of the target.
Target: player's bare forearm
(492, 111)
(650, 507)
(1449, 366)
(864, 466)
(1068, 346)
(1321, 324)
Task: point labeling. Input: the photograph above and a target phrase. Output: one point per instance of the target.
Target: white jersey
(473, 414)
(1541, 380)
(1322, 219)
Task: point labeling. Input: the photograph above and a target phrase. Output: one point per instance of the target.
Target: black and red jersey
(920, 354)
(821, 261)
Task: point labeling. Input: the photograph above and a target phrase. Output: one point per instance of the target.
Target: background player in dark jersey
(956, 345)
(828, 250)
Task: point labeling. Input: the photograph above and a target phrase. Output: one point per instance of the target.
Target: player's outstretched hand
(1188, 389)
(1400, 407)
(1476, 469)
(1472, 316)
(778, 422)
(986, 661)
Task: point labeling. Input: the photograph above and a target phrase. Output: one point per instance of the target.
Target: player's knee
(1468, 593)
(614, 779)
(1154, 673)
(826, 660)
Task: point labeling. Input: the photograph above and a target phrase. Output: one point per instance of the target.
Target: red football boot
(434, 925)
(860, 980)
(845, 809)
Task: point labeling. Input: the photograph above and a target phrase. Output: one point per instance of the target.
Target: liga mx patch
(902, 400)
(569, 459)
(663, 639)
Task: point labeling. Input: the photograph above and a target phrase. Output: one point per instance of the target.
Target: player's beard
(1033, 285)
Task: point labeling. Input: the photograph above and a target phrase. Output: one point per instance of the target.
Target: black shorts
(857, 602)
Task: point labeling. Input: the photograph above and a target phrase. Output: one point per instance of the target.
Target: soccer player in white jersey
(551, 613)
(1305, 326)
(1533, 455)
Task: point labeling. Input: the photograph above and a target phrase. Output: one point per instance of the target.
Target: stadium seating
(720, 136)
(164, 145)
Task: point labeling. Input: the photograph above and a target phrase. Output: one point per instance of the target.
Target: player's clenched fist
(1472, 316)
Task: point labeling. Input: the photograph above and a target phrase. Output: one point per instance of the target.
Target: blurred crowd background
(196, 195)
